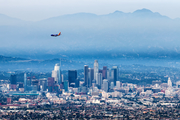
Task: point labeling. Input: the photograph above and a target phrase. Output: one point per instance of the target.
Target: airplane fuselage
(55, 35)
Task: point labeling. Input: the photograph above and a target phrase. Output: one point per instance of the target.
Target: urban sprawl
(100, 94)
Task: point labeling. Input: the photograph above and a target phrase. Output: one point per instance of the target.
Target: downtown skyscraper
(90, 76)
(115, 74)
(96, 69)
(25, 82)
(72, 77)
(13, 80)
(86, 75)
(56, 73)
(104, 72)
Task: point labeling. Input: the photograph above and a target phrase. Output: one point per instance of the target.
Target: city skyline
(120, 59)
(114, 88)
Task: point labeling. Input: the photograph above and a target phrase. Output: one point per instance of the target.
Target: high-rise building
(86, 75)
(118, 84)
(105, 85)
(112, 74)
(25, 82)
(104, 72)
(43, 84)
(13, 81)
(90, 77)
(99, 79)
(77, 82)
(72, 76)
(28, 81)
(100, 71)
(112, 85)
(169, 82)
(115, 74)
(35, 84)
(66, 85)
(108, 74)
(56, 73)
(62, 78)
(96, 68)
(50, 84)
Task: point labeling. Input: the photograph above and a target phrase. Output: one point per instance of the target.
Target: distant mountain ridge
(7, 20)
(141, 30)
(5, 58)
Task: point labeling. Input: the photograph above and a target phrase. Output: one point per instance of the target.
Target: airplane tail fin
(59, 33)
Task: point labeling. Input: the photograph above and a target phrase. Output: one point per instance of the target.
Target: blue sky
(34, 10)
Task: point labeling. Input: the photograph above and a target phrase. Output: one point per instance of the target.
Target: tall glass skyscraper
(86, 75)
(72, 76)
(56, 73)
(50, 84)
(104, 72)
(25, 82)
(99, 79)
(96, 68)
(105, 85)
(90, 76)
(13, 80)
(115, 74)
(169, 82)
(66, 85)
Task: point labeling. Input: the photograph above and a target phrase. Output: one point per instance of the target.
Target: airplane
(55, 35)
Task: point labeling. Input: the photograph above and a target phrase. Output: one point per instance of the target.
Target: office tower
(108, 74)
(169, 82)
(56, 73)
(100, 71)
(115, 74)
(66, 84)
(72, 76)
(105, 85)
(112, 74)
(99, 79)
(13, 81)
(44, 85)
(104, 72)
(28, 81)
(62, 78)
(77, 82)
(90, 76)
(56, 88)
(35, 84)
(86, 75)
(20, 85)
(50, 84)
(93, 83)
(96, 68)
(118, 84)
(25, 82)
(43, 80)
(112, 85)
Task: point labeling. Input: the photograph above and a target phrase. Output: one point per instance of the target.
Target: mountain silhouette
(139, 31)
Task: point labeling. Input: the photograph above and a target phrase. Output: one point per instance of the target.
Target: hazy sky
(34, 10)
